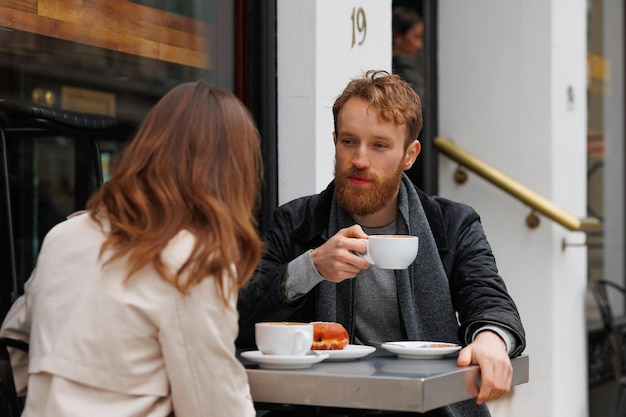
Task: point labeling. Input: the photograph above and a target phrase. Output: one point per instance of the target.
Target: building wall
(505, 69)
(316, 59)
(504, 73)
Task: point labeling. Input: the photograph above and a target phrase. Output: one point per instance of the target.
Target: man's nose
(361, 158)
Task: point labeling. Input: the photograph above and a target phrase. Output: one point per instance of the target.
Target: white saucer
(347, 353)
(420, 350)
(283, 361)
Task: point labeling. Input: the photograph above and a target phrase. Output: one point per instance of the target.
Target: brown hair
(403, 20)
(393, 99)
(195, 165)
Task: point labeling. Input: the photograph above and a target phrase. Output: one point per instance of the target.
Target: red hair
(195, 165)
(390, 96)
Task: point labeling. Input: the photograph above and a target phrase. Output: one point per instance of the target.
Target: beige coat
(102, 347)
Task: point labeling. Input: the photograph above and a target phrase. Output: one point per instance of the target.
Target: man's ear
(411, 154)
(334, 138)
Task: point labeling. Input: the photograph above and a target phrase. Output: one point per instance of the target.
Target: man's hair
(194, 165)
(390, 96)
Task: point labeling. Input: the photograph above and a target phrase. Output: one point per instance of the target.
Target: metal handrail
(529, 197)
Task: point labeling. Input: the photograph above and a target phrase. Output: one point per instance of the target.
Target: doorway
(424, 171)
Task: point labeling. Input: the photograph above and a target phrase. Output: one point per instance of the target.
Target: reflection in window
(136, 53)
(605, 142)
(49, 177)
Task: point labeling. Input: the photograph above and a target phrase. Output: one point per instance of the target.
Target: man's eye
(380, 146)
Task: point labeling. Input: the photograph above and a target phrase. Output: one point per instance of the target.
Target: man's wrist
(505, 335)
(301, 278)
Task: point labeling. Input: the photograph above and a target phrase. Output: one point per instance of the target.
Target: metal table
(380, 381)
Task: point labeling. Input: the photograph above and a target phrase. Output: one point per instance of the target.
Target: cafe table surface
(379, 381)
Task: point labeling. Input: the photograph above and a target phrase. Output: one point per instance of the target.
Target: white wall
(504, 72)
(316, 59)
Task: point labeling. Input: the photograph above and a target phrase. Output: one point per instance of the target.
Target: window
(605, 139)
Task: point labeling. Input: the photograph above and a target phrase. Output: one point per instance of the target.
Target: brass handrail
(529, 197)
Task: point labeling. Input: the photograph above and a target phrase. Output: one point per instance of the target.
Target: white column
(506, 70)
(322, 44)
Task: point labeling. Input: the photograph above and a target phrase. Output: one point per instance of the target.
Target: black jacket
(478, 292)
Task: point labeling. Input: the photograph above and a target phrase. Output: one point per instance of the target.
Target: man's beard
(366, 199)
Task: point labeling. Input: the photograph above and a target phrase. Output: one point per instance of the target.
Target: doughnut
(329, 336)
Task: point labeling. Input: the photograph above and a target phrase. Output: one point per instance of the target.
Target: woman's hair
(403, 20)
(195, 165)
(390, 96)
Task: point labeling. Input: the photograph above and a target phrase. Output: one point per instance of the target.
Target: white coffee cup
(391, 251)
(284, 338)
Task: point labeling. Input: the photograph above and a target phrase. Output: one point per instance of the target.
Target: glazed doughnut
(329, 336)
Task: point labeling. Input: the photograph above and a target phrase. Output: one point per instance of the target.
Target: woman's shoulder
(76, 225)
(178, 249)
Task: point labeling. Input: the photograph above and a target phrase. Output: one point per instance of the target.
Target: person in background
(408, 41)
(452, 292)
(131, 308)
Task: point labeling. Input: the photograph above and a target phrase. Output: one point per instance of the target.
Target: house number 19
(359, 25)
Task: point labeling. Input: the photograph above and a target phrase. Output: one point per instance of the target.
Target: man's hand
(488, 351)
(336, 260)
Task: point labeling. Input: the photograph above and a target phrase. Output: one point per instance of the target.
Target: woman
(131, 309)
(408, 41)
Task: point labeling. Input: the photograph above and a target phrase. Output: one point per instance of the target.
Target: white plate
(283, 361)
(420, 350)
(347, 353)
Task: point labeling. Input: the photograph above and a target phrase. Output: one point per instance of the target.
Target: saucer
(283, 361)
(421, 350)
(347, 353)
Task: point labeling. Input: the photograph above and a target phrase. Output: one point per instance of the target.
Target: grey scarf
(423, 291)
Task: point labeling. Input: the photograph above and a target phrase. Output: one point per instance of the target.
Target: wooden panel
(29, 6)
(28, 22)
(118, 25)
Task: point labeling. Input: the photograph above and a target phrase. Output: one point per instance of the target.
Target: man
(452, 292)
